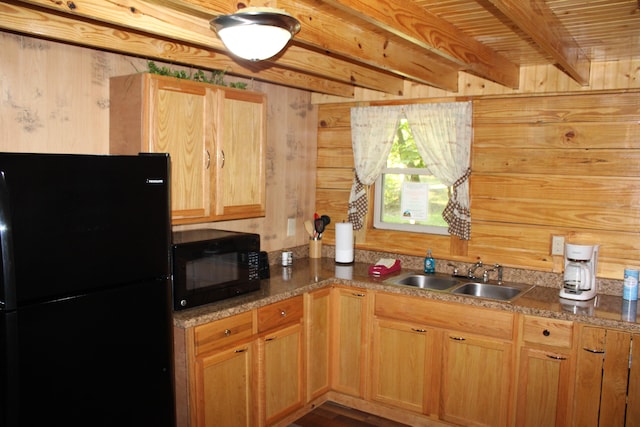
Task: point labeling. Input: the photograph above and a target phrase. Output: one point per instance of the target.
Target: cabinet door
(476, 377)
(350, 340)
(401, 362)
(281, 372)
(241, 149)
(615, 378)
(180, 115)
(543, 388)
(590, 359)
(316, 323)
(223, 386)
(602, 375)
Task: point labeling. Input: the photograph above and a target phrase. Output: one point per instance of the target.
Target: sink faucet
(472, 271)
(496, 267)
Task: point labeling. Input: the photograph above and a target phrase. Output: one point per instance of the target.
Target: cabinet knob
(227, 332)
(546, 333)
(283, 313)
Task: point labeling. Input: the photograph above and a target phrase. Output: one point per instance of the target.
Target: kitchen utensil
(326, 219)
(309, 227)
(319, 225)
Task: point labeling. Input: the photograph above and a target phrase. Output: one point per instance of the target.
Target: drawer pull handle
(241, 350)
(227, 332)
(458, 338)
(283, 313)
(358, 295)
(418, 330)
(593, 350)
(552, 356)
(208, 159)
(270, 339)
(546, 333)
(223, 159)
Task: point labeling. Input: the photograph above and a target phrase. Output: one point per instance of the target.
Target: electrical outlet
(291, 227)
(557, 245)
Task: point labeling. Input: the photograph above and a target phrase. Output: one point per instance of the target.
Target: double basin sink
(461, 286)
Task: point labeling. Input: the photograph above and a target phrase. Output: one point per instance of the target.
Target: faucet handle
(455, 269)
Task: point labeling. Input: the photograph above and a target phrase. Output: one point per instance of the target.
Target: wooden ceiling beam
(417, 25)
(39, 23)
(347, 39)
(160, 21)
(539, 22)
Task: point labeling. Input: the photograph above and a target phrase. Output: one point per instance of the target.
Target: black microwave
(210, 265)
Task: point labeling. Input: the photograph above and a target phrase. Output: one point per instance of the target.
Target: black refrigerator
(85, 320)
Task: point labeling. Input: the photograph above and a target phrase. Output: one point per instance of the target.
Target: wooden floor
(334, 415)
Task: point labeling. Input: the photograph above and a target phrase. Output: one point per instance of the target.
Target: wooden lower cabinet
(402, 361)
(543, 392)
(230, 405)
(476, 379)
(416, 360)
(546, 372)
(317, 336)
(607, 382)
(350, 340)
(222, 377)
(429, 357)
(281, 372)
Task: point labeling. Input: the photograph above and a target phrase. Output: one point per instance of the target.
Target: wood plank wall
(541, 165)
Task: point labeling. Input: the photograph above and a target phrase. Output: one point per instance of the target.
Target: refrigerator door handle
(8, 299)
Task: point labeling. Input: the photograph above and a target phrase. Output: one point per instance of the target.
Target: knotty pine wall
(541, 165)
(55, 98)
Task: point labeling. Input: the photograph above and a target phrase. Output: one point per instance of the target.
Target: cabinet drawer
(553, 332)
(461, 317)
(280, 314)
(223, 332)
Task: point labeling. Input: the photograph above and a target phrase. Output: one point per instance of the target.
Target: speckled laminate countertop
(308, 274)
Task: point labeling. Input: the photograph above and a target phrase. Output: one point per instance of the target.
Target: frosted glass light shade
(256, 33)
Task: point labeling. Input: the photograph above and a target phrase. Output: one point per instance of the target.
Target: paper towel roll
(344, 242)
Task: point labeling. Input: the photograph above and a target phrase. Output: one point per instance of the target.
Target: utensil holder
(315, 248)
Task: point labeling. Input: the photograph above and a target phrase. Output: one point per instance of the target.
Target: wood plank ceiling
(375, 44)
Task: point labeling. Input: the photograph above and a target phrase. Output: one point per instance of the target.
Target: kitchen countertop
(309, 274)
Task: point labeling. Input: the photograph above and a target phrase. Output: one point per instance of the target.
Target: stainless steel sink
(425, 281)
(491, 291)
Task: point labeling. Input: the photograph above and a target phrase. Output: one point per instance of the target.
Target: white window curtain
(372, 133)
(442, 133)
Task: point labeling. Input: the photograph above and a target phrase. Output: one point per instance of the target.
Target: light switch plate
(291, 227)
(557, 245)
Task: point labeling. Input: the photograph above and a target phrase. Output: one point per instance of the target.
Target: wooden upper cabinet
(241, 149)
(216, 138)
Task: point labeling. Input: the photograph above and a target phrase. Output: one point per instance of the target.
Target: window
(407, 196)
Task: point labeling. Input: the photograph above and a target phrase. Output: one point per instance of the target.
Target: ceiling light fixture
(256, 33)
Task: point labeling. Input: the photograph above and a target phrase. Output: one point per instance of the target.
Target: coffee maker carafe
(580, 266)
